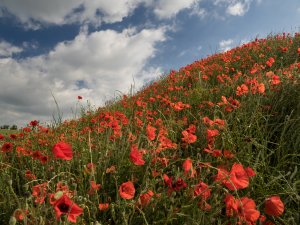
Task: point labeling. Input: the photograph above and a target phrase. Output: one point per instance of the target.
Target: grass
(8, 131)
(216, 142)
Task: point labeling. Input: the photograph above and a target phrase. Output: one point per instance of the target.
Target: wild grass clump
(216, 142)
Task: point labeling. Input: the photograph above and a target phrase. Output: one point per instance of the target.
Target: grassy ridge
(216, 142)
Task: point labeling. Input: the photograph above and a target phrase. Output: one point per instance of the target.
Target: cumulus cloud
(169, 8)
(225, 45)
(35, 13)
(235, 7)
(7, 50)
(94, 65)
(64, 11)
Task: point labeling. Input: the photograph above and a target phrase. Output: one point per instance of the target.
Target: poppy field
(217, 142)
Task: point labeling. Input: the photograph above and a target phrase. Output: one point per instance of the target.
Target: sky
(53, 51)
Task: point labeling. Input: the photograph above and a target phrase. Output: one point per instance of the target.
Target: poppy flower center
(64, 208)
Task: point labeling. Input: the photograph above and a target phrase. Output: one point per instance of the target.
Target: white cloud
(237, 9)
(66, 11)
(93, 65)
(34, 13)
(169, 8)
(7, 50)
(225, 45)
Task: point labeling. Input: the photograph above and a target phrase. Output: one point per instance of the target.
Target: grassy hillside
(217, 142)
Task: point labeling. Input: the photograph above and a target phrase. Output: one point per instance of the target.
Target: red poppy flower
(244, 209)
(231, 205)
(242, 90)
(127, 190)
(177, 186)
(39, 192)
(103, 206)
(63, 151)
(236, 179)
(187, 165)
(211, 134)
(188, 137)
(250, 172)
(7, 147)
(247, 210)
(79, 97)
(34, 123)
(145, 198)
(150, 132)
(274, 206)
(94, 187)
(239, 178)
(202, 189)
(65, 205)
(261, 88)
(136, 157)
(1, 137)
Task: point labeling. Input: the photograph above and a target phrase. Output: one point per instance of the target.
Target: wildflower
(79, 97)
(127, 190)
(89, 168)
(236, 179)
(177, 186)
(1, 136)
(247, 210)
(13, 136)
(244, 209)
(29, 175)
(34, 123)
(274, 206)
(228, 154)
(39, 192)
(242, 90)
(188, 167)
(103, 206)
(202, 189)
(275, 80)
(261, 88)
(63, 151)
(150, 132)
(64, 205)
(145, 198)
(26, 129)
(7, 147)
(131, 137)
(239, 178)
(111, 169)
(188, 137)
(211, 134)
(94, 187)
(19, 214)
(136, 157)
(270, 61)
(231, 205)
(250, 172)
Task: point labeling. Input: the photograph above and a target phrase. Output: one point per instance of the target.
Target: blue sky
(100, 48)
